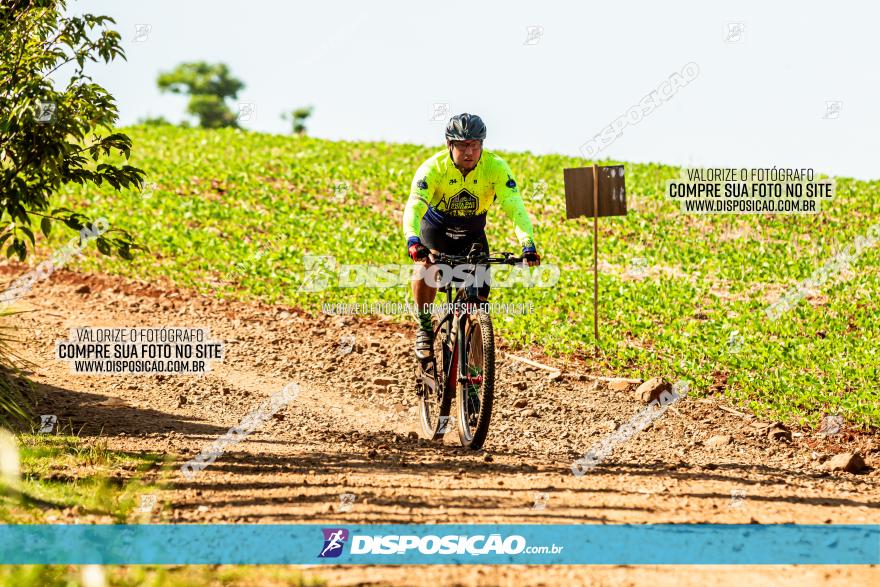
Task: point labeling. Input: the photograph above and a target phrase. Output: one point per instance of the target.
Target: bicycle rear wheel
(475, 396)
(435, 397)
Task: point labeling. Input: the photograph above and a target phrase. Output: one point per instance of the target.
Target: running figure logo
(334, 540)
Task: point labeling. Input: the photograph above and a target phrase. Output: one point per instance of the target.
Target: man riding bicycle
(446, 210)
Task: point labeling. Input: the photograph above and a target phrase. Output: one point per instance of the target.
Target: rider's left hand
(531, 256)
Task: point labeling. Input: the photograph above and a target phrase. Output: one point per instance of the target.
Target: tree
(53, 134)
(154, 121)
(208, 86)
(298, 117)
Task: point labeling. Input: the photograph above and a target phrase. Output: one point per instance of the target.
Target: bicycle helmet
(465, 127)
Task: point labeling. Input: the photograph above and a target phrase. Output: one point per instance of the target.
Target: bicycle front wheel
(435, 396)
(475, 395)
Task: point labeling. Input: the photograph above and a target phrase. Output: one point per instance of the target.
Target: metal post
(596, 252)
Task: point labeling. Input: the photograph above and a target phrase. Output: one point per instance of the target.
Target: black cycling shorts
(452, 240)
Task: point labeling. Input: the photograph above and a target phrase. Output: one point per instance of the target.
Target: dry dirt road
(350, 431)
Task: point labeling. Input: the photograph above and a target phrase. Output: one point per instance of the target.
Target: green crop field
(681, 296)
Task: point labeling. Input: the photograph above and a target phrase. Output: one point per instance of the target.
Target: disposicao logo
(334, 540)
(454, 544)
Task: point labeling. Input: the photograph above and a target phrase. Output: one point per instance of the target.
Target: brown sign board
(579, 191)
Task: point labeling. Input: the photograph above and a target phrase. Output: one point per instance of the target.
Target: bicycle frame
(456, 345)
(467, 297)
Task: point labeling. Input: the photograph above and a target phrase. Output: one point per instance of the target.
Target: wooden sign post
(595, 191)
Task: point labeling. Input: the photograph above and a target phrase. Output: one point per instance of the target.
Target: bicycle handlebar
(478, 258)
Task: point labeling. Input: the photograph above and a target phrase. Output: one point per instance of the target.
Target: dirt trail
(347, 434)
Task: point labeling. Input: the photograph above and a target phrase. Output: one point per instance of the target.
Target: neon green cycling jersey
(449, 198)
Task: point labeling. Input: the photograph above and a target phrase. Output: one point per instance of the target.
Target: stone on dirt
(521, 403)
(719, 440)
(651, 389)
(779, 432)
(608, 426)
(622, 383)
(384, 381)
(847, 461)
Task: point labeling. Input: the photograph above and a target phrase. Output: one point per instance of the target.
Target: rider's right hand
(417, 251)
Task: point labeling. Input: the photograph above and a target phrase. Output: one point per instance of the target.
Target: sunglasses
(465, 145)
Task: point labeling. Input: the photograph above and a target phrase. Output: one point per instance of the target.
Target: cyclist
(446, 210)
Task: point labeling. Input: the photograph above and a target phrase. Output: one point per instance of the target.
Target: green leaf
(73, 222)
(46, 226)
(103, 246)
(29, 233)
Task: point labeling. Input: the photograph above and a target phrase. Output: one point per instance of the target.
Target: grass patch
(67, 479)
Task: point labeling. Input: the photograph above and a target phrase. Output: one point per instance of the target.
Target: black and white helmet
(465, 127)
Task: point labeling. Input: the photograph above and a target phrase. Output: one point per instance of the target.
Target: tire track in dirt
(352, 430)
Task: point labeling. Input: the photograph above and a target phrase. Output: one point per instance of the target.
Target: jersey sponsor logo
(452, 181)
(463, 203)
(422, 184)
(455, 233)
(511, 183)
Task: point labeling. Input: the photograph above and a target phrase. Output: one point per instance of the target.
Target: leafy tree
(53, 134)
(208, 86)
(298, 118)
(154, 121)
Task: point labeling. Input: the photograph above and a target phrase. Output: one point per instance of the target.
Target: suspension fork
(461, 344)
(471, 304)
(450, 361)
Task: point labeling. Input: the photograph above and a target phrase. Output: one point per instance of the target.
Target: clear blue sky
(373, 71)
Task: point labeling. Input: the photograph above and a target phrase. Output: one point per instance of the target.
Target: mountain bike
(463, 362)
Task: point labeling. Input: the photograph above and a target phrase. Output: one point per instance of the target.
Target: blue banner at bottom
(494, 544)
